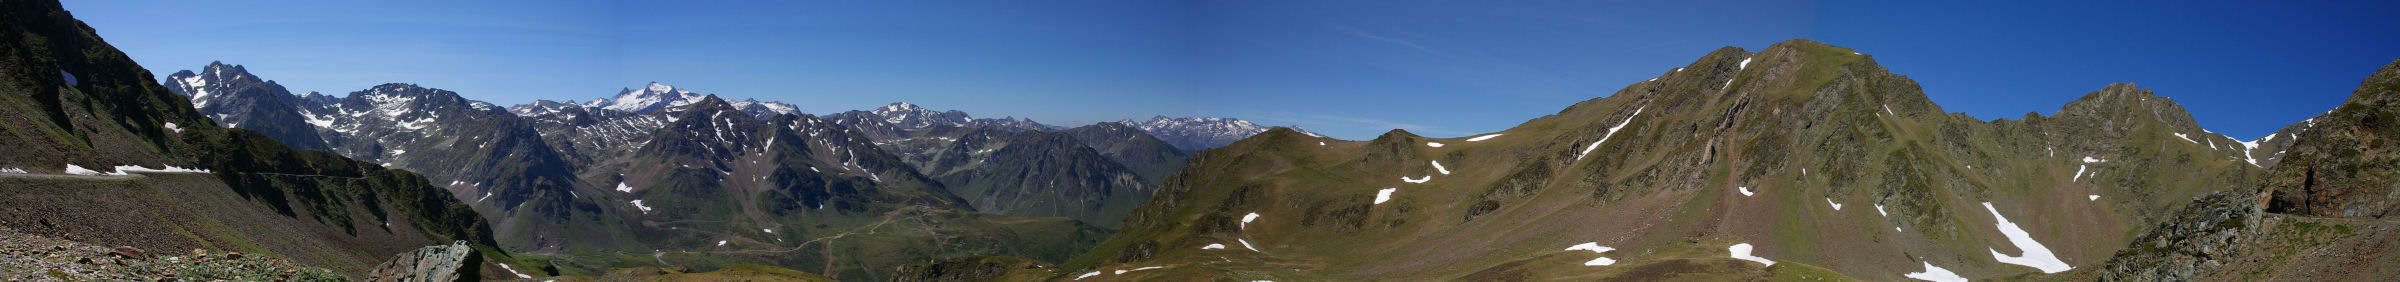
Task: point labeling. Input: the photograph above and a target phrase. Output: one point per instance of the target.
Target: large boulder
(2209, 231)
(454, 262)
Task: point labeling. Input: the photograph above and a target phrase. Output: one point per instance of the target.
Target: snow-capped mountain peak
(649, 98)
(656, 96)
(1195, 133)
(754, 107)
(897, 107)
(910, 116)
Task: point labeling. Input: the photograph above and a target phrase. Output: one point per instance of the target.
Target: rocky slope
(2319, 214)
(716, 186)
(1026, 173)
(1801, 160)
(34, 258)
(512, 175)
(486, 156)
(1146, 155)
(2345, 163)
(101, 153)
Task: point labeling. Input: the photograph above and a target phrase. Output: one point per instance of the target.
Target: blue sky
(1351, 69)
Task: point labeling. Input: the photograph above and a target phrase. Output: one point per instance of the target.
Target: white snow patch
(2186, 138)
(2079, 172)
(1746, 191)
(2094, 197)
(1887, 109)
(1481, 138)
(1437, 165)
(1384, 195)
(1246, 244)
(1246, 220)
(1086, 275)
(2251, 145)
(769, 231)
(1122, 272)
(1936, 274)
(1213, 247)
(621, 187)
(1596, 249)
(1836, 206)
(1742, 252)
(415, 125)
(1612, 132)
(2036, 255)
(79, 170)
(1879, 211)
(1320, 143)
(1434, 144)
(177, 129)
(121, 170)
(1745, 63)
(636, 204)
(513, 270)
(2089, 159)
(13, 170)
(721, 243)
(1422, 180)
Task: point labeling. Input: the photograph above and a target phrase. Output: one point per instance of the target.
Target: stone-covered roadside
(25, 257)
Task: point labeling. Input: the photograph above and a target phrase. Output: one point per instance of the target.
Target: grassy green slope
(1799, 124)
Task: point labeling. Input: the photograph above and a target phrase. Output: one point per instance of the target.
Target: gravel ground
(25, 257)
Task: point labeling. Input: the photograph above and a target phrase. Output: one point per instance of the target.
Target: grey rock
(454, 262)
(2209, 231)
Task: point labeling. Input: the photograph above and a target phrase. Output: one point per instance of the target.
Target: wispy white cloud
(1401, 42)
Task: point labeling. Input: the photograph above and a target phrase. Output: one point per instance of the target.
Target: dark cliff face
(2346, 163)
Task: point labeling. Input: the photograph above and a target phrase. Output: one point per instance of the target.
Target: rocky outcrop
(2210, 232)
(454, 262)
(2346, 161)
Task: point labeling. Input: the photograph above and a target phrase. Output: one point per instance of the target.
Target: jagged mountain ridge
(226, 93)
(893, 121)
(762, 189)
(1200, 133)
(83, 105)
(657, 96)
(2316, 214)
(582, 182)
(1744, 153)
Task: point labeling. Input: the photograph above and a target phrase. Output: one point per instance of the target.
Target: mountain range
(629, 174)
(1800, 161)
